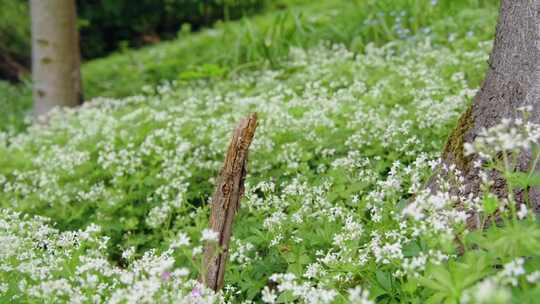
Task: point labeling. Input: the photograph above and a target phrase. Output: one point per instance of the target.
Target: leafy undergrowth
(261, 40)
(265, 40)
(108, 203)
(334, 210)
(15, 100)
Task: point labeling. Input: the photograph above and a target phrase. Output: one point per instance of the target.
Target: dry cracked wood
(226, 200)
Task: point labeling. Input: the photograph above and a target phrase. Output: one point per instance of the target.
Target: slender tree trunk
(512, 81)
(55, 55)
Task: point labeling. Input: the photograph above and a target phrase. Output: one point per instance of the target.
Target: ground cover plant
(338, 154)
(108, 203)
(256, 42)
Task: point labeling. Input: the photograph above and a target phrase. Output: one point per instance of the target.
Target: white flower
(181, 240)
(522, 213)
(4, 287)
(128, 253)
(512, 271)
(313, 270)
(268, 296)
(533, 277)
(196, 250)
(209, 235)
(489, 292)
(158, 215)
(358, 295)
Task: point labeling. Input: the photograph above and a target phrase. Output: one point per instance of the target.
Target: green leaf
(384, 279)
(286, 297)
(490, 203)
(376, 291)
(410, 286)
(523, 180)
(437, 298)
(411, 249)
(443, 276)
(304, 259)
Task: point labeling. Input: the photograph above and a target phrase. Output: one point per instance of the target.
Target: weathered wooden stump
(225, 202)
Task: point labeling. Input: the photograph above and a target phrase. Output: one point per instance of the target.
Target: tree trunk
(55, 55)
(512, 81)
(225, 202)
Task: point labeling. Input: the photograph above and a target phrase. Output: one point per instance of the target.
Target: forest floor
(108, 203)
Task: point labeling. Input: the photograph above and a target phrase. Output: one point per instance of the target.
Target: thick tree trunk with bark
(55, 55)
(512, 81)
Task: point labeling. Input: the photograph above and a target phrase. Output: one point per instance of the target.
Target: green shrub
(15, 105)
(108, 23)
(105, 24)
(14, 27)
(14, 34)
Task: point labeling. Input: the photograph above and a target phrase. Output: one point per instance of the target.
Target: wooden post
(226, 200)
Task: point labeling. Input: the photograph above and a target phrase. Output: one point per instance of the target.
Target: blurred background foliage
(14, 39)
(203, 46)
(107, 25)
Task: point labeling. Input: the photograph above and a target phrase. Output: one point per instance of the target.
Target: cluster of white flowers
(509, 135)
(304, 292)
(337, 155)
(496, 289)
(359, 295)
(209, 235)
(36, 258)
(242, 253)
(487, 291)
(512, 271)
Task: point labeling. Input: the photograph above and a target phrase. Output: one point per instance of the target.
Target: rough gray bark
(512, 81)
(55, 55)
(226, 200)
